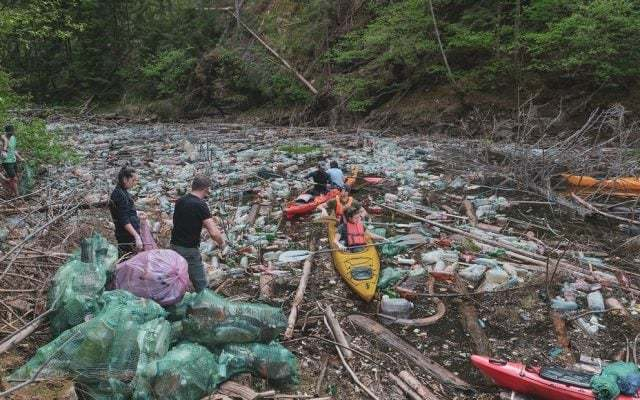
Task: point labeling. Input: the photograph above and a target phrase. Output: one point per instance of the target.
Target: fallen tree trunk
(471, 213)
(390, 339)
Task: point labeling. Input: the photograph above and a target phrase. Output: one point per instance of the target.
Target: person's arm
(19, 157)
(375, 236)
(136, 236)
(336, 240)
(214, 232)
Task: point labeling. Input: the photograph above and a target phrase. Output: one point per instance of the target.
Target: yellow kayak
(360, 270)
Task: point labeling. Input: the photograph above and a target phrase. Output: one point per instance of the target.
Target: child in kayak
(352, 234)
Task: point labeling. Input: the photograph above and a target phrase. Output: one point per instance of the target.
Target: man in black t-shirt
(190, 215)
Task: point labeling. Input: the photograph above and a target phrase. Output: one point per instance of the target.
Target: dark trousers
(196, 268)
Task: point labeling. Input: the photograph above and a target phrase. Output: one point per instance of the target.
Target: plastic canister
(397, 308)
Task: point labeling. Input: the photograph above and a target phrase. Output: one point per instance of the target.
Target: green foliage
(597, 41)
(170, 71)
(39, 145)
(8, 98)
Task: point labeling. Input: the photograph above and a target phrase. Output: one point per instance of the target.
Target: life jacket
(341, 207)
(355, 234)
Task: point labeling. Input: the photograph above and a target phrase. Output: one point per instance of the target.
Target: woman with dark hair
(124, 214)
(352, 234)
(9, 157)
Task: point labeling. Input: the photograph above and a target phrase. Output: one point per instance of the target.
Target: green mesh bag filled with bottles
(103, 353)
(188, 371)
(273, 362)
(212, 320)
(78, 283)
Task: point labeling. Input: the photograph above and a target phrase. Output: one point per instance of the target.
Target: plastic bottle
(595, 301)
(569, 291)
(587, 327)
(397, 308)
(560, 304)
(473, 272)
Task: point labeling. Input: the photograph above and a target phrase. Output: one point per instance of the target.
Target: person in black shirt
(190, 215)
(124, 214)
(321, 180)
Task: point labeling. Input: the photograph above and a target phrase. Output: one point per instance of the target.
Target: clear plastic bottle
(595, 301)
(560, 304)
(397, 308)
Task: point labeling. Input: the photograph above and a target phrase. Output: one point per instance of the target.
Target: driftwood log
(413, 382)
(411, 353)
(297, 300)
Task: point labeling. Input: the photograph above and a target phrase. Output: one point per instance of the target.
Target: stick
(297, 300)
(31, 236)
(23, 332)
(323, 371)
(390, 339)
(272, 51)
(42, 367)
(591, 207)
(416, 385)
(560, 328)
(346, 365)
(336, 332)
(405, 388)
(471, 213)
(234, 389)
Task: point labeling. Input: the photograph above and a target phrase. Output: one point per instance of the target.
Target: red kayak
(294, 208)
(549, 383)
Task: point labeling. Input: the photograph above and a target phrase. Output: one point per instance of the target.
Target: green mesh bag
(187, 372)
(27, 180)
(212, 320)
(273, 362)
(103, 354)
(77, 285)
(605, 385)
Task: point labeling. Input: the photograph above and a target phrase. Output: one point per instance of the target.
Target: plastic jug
(397, 308)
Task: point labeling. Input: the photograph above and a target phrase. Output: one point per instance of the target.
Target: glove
(139, 244)
(341, 246)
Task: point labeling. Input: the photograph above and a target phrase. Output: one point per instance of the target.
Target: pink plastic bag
(160, 275)
(146, 236)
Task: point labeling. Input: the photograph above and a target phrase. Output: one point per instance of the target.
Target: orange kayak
(623, 183)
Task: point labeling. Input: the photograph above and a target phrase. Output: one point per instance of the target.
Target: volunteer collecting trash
(321, 180)
(9, 156)
(124, 213)
(190, 215)
(336, 175)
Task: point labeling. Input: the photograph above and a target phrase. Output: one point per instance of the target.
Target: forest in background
(180, 58)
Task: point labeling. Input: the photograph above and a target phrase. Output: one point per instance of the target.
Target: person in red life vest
(338, 205)
(352, 233)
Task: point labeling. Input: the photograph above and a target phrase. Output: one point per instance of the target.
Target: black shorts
(10, 169)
